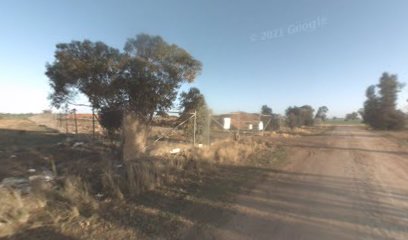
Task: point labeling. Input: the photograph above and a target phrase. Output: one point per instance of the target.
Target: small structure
(260, 126)
(240, 120)
(227, 123)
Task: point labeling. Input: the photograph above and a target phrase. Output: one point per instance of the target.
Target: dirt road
(346, 184)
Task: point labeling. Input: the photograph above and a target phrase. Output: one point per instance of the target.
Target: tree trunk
(134, 134)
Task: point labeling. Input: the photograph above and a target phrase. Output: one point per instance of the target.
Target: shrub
(380, 110)
(395, 120)
(111, 119)
(299, 116)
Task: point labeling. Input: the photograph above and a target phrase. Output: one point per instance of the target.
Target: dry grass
(97, 196)
(399, 137)
(20, 124)
(230, 152)
(250, 151)
(12, 211)
(60, 123)
(16, 208)
(76, 193)
(132, 177)
(298, 132)
(47, 204)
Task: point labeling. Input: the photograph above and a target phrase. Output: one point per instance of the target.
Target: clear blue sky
(331, 65)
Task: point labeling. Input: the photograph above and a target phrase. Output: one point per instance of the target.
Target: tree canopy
(87, 67)
(142, 79)
(300, 116)
(193, 102)
(380, 110)
(265, 110)
(322, 113)
(351, 116)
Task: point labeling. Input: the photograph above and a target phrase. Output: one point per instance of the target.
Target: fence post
(93, 123)
(66, 121)
(60, 120)
(239, 123)
(195, 127)
(75, 120)
(209, 129)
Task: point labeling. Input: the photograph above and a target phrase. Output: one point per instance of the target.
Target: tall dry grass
(16, 207)
(12, 211)
(78, 194)
(131, 178)
(230, 152)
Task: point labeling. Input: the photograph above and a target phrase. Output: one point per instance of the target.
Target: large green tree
(380, 109)
(300, 116)
(371, 109)
(265, 110)
(307, 115)
(322, 113)
(351, 116)
(140, 81)
(90, 68)
(193, 102)
(153, 73)
(267, 117)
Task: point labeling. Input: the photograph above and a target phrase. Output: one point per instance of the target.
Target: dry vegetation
(399, 137)
(66, 123)
(93, 195)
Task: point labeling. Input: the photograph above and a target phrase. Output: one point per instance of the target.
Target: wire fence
(171, 129)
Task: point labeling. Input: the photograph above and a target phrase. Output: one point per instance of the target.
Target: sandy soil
(348, 183)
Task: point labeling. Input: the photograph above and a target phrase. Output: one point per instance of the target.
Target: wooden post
(239, 123)
(209, 129)
(93, 123)
(66, 122)
(60, 119)
(195, 127)
(75, 121)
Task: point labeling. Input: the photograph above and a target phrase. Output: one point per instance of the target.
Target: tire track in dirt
(337, 186)
(373, 170)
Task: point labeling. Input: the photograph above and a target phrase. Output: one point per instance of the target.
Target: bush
(299, 116)
(110, 119)
(380, 107)
(395, 120)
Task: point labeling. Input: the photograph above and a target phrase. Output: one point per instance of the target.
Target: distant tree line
(294, 117)
(351, 116)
